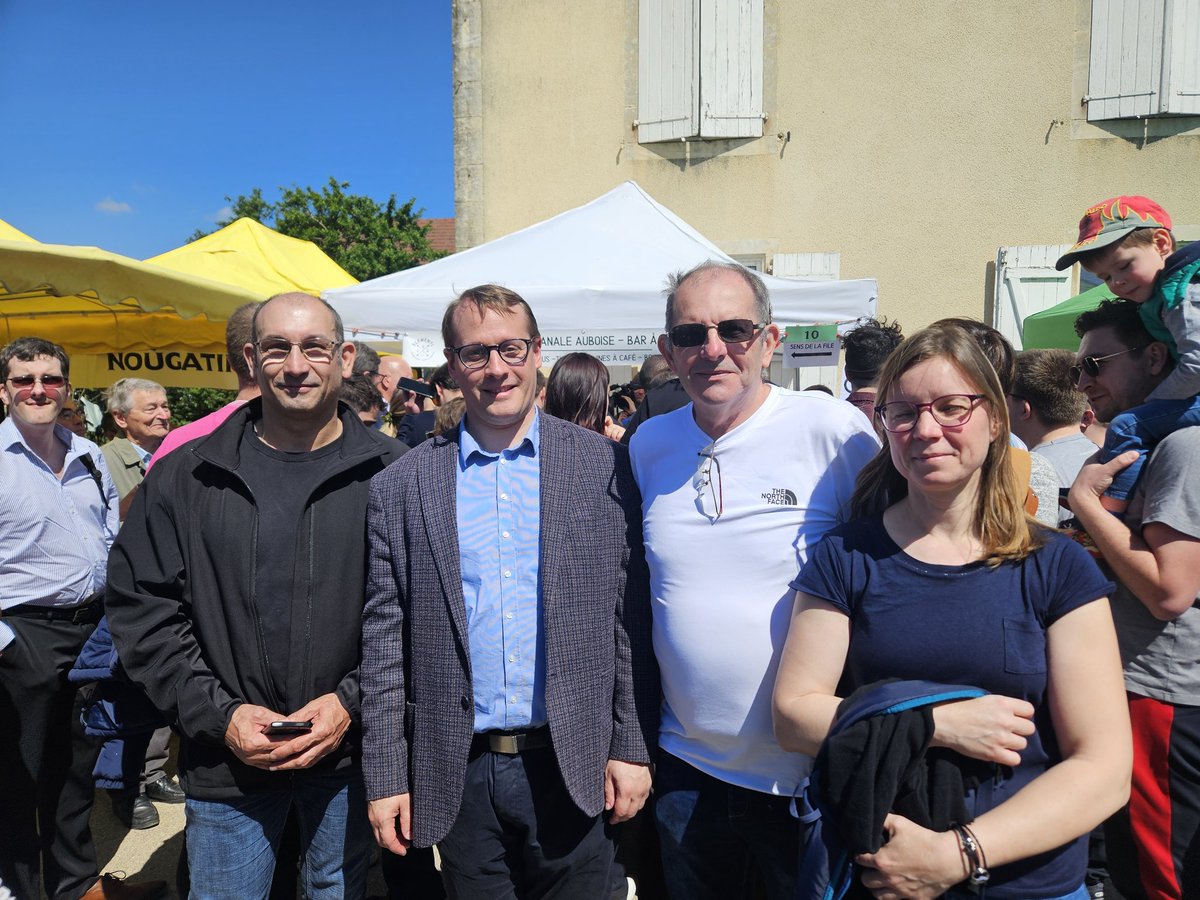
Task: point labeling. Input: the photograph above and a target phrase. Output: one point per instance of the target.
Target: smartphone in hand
(289, 726)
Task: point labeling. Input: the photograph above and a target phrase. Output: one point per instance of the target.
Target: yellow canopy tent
(162, 319)
(253, 256)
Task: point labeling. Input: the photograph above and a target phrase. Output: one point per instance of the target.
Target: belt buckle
(508, 744)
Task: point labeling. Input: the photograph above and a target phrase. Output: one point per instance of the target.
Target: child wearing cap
(1127, 243)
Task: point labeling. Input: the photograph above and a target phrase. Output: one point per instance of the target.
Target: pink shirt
(177, 437)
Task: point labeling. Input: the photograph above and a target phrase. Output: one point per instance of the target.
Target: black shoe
(134, 810)
(163, 789)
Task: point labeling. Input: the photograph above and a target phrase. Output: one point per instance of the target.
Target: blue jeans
(716, 836)
(231, 845)
(1141, 428)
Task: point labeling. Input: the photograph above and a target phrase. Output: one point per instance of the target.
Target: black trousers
(519, 836)
(46, 762)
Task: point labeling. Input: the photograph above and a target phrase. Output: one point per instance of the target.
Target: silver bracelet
(977, 869)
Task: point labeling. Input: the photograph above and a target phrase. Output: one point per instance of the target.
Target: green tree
(363, 236)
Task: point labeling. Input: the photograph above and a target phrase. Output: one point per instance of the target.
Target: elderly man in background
(140, 409)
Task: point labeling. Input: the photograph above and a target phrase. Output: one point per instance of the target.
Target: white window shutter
(668, 70)
(1181, 63)
(731, 68)
(1026, 283)
(807, 266)
(1145, 59)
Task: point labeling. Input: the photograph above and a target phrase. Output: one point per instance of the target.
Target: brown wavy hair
(1000, 521)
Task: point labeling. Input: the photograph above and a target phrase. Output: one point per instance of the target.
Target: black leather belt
(510, 743)
(86, 614)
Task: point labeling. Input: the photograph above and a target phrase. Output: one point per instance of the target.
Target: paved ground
(154, 852)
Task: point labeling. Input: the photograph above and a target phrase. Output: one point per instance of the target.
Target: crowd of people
(718, 640)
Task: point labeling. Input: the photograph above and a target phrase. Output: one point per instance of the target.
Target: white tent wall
(593, 276)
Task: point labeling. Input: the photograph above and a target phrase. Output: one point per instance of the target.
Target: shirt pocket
(1024, 647)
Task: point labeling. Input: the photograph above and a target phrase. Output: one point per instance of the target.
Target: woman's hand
(992, 728)
(914, 864)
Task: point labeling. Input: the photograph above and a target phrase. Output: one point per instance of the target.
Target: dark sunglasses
(28, 381)
(731, 331)
(1091, 364)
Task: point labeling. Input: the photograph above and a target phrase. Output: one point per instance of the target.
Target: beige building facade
(916, 142)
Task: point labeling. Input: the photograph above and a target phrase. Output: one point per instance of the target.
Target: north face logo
(780, 497)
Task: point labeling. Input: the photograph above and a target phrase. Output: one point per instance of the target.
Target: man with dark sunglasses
(736, 486)
(1155, 555)
(58, 518)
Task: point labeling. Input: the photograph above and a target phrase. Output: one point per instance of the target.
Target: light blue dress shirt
(499, 536)
(54, 534)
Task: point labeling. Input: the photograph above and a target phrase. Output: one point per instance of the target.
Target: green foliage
(364, 237)
(190, 404)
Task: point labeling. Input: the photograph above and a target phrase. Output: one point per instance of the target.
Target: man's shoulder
(1180, 445)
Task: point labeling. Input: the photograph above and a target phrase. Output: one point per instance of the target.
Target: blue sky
(126, 124)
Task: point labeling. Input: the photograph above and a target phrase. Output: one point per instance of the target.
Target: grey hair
(762, 297)
(119, 397)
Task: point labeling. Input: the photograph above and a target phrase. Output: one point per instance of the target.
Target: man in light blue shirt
(510, 694)
(58, 518)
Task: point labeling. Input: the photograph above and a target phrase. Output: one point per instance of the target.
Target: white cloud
(109, 205)
(225, 212)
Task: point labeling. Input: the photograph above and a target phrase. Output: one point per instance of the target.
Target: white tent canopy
(594, 277)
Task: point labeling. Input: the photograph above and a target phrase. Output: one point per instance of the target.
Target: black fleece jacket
(181, 607)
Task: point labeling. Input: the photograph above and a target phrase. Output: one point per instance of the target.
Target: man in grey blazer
(509, 689)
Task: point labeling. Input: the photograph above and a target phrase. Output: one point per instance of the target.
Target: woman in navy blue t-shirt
(942, 577)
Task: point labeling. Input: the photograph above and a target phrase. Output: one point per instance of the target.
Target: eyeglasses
(1091, 364)
(710, 497)
(276, 350)
(69, 412)
(46, 381)
(475, 356)
(731, 331)
(901, 416)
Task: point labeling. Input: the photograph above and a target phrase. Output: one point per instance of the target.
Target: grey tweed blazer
(602, 688)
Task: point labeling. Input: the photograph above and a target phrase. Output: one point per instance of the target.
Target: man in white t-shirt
(736, 486)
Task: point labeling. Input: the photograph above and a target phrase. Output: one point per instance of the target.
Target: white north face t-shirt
(719, 585)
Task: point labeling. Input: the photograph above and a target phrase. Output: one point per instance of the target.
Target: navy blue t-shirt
(973, 624)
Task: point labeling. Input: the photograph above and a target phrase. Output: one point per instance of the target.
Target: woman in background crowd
(577, 391)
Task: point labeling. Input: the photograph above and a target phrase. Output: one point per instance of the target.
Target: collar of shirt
(470, 453)
(144, 454)
(10, 436)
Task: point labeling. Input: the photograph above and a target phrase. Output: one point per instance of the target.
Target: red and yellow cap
(1108, 222)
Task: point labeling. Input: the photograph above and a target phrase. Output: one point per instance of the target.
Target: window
(1145, 59)
(700, 69)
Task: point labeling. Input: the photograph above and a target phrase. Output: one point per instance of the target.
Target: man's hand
(391, 820)
(1096, 478)
(246, 734)
(330, 721)
(626, 787)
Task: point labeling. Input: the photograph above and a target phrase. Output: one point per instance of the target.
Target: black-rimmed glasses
(901, 416)
(731, 331)
(513, 351)
(276, 350)
(1091, 364)
(710, 499)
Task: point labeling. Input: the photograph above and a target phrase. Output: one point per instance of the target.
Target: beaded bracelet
(978, 874)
